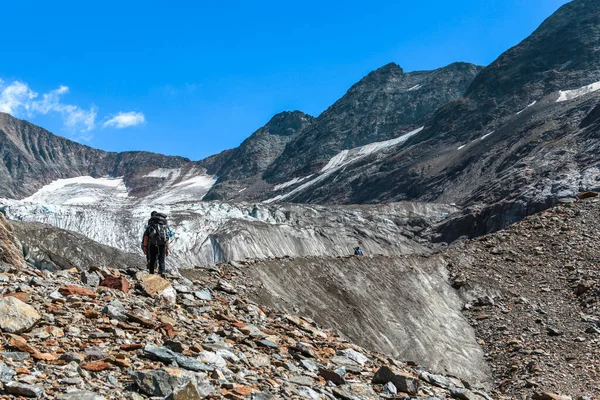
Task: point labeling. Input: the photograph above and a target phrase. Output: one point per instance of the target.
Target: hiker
(155, 243)
(358, 251)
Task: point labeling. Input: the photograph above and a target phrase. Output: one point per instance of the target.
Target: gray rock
(162, 383)
(262, 396)
(226, 287)
(70, 357)
(169, 356)
(6, 373)
(203, 294)
(309, 365)
(21, 389)
(355, 356)
(390, 389)
(15, 355)
(115, 310)
(463, 394)
(81, 395)
(95, 354)
(267, 343)
(346, 394)
(302, 380)
(436, 380)
(401, 382)
(16, 316)
(90, 278)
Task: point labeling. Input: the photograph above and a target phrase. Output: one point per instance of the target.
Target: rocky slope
(385, 104)
(532, 295)
(240, 170)
(523, 136)
(134, 337)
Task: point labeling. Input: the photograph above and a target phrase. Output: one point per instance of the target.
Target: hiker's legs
(162, 253)
(152, 258)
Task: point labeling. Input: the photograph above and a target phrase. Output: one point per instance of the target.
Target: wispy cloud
(125, 120)
(18, 99)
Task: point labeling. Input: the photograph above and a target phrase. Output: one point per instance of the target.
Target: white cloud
(20, 100)
(126, 119)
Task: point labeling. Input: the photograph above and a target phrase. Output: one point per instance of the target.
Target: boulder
(155, 286)
(21, 389)
(403, 383)
(164, 382)
(16, 316)
(116, 283)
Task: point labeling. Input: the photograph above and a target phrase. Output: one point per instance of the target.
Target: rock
(302, 380)
(21, 389)
(116, 283)
(95, 354)
(90, 278)
(259, 360)
(203, 295)
(155, 286)
(463, 394)
(6, 373)
(16, 316)
(436, 380)
(586, 195)
(72, 290)
(226, 287)
(96, 366)
(168, 356)
(267, 343)
(332, 376)
(212, 359)
(15, 355)
(115, 310)
(355, 356)
(162, 383)
(25, 297)
(308, 393)
(401, 382)
(389, 389)
(309, 365)
(549, 396)
(81, 395)
(345, 394)
(72, 357)
(553, 331)
(186, 392)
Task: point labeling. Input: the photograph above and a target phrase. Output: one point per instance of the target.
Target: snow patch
(344, 158)
(462, 147)
(290, 183)
(416, 87)
(163, 173)
(486, 135)
(530, 105)
(565, 95)
(80, 190)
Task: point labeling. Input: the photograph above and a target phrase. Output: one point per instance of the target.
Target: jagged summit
(381, 106)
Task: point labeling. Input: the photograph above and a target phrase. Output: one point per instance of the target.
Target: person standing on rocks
(155, 243)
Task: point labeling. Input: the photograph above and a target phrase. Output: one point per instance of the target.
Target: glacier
(212, 232)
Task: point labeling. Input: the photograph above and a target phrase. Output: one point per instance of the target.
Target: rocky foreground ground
(533, 296)
(110, 334)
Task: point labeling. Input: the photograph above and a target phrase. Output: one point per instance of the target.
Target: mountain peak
(287, 123)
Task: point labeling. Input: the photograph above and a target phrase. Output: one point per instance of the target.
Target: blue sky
(195, 78)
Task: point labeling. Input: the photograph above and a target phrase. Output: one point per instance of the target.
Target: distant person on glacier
(358, 251)
(155, 242)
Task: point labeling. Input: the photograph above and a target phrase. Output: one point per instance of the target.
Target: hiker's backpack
(158, 234)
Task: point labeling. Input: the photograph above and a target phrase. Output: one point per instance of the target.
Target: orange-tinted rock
(25, 297)
(72, 290)
(117, 283)
(96, 366)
